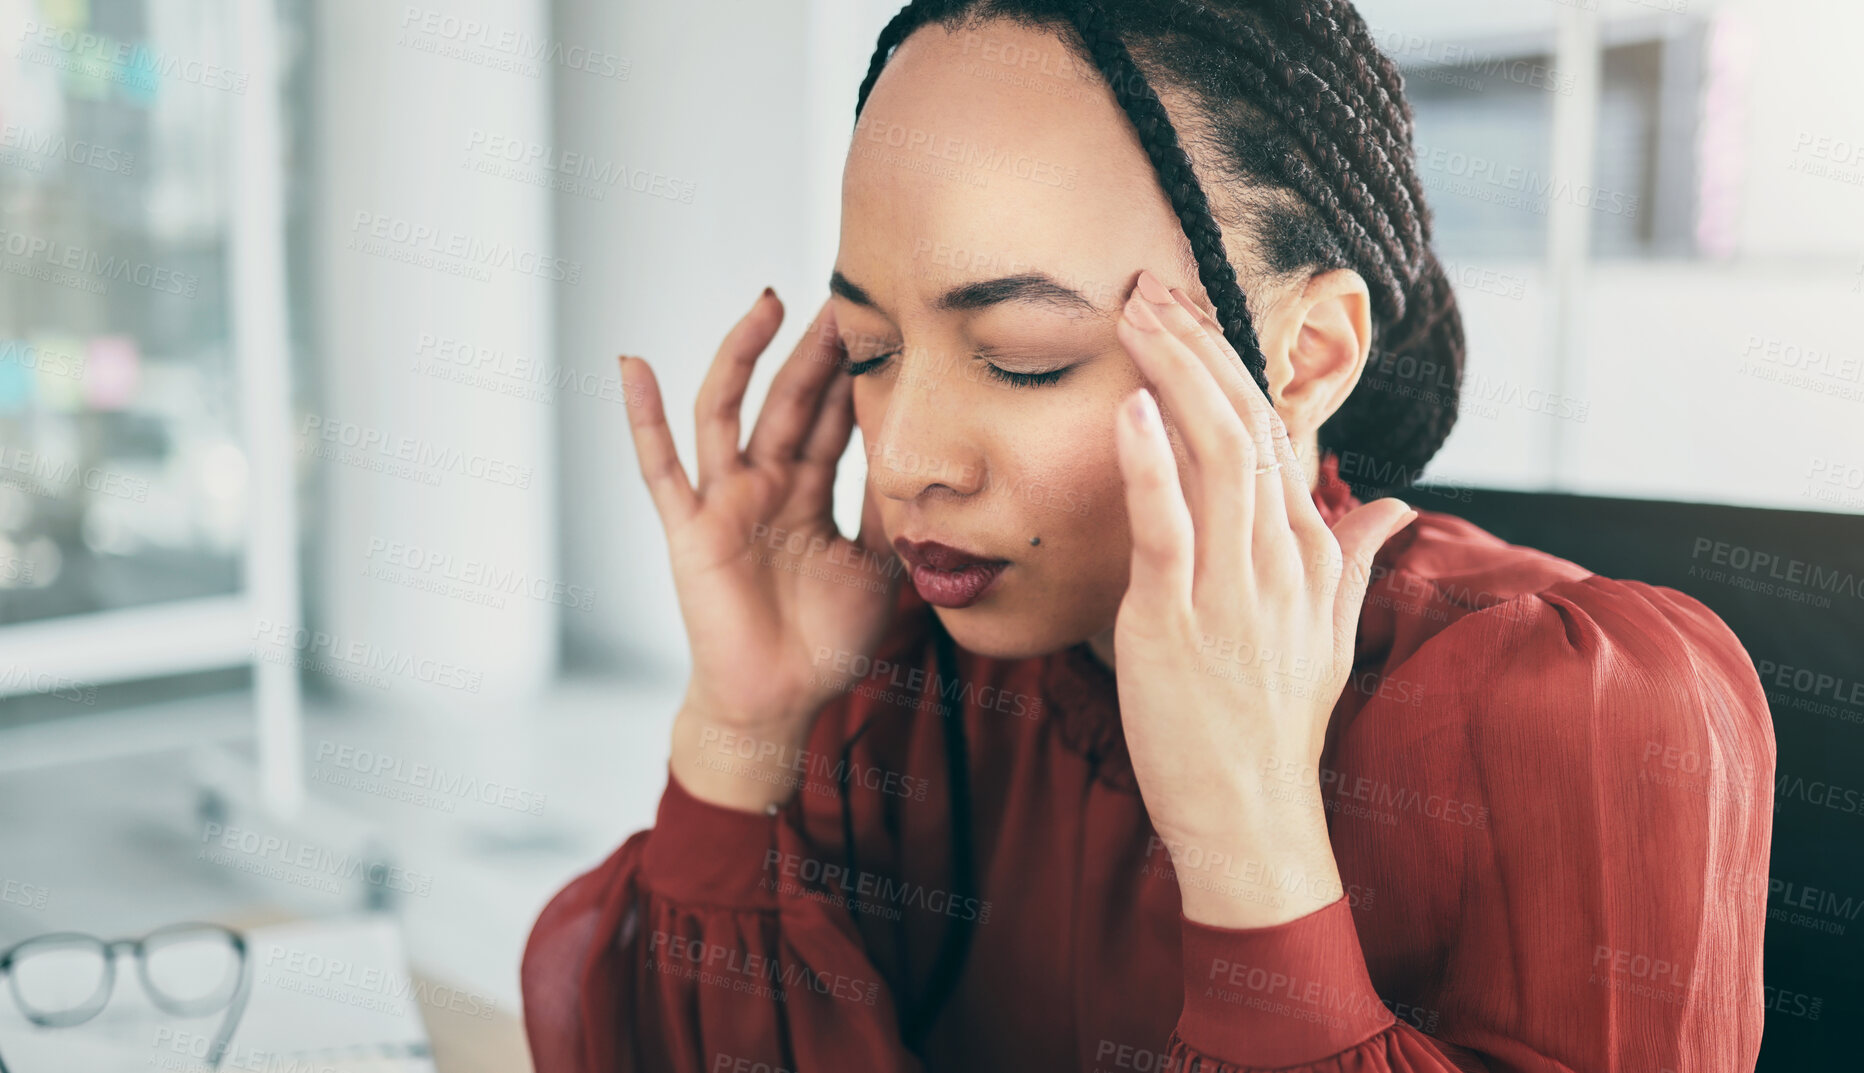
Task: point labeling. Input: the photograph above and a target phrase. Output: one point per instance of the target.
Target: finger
(721, 394)
(821, 454)
(1312, 536)
(1205, 337)
(795, 395)
(1220, 494)
(834, 423)
(667, 483)
(1275, 544)
(1164, 545)
(1361, 534)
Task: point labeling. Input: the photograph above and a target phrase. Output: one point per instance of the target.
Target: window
(1485, 115)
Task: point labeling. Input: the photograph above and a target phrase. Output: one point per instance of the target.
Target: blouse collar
(1083, 690)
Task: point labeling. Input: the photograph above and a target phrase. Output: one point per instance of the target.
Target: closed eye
(1023, 379)
(857, 368)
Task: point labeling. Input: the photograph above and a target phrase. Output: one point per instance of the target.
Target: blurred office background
(318, 511)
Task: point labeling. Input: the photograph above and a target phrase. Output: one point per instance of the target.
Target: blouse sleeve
(701, 945)
(1615, 742)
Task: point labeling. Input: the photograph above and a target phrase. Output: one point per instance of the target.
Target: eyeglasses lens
(191, 971)
(57, 979)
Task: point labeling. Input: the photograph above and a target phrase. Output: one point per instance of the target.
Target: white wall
(395, 120)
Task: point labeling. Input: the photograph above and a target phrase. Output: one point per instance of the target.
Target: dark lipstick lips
(938, 556)
(944, 576)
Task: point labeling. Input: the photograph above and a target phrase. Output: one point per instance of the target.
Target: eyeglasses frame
(235, 1003)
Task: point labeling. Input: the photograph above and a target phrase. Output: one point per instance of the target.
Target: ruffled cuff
(1286, 995)
(708, 854)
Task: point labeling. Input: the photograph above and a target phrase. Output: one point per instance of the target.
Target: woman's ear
(1318, 339)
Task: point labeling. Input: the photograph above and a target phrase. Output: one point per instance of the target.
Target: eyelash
(857, 368)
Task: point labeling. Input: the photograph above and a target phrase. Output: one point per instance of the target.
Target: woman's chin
(996, 634)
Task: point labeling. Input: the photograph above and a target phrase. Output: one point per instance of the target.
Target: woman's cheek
(1090, 501)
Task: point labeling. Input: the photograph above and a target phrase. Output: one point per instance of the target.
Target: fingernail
(1139, 313)
(769, 292)
(1154, 288)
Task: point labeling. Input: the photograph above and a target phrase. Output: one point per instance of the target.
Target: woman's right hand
(774, 598)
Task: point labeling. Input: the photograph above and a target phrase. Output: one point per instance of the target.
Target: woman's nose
(924, 439)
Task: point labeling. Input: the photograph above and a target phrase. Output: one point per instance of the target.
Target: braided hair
(1308, 138)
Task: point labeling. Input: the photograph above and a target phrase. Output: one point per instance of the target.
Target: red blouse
(1548, 793)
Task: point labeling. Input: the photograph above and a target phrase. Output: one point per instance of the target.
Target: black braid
(1374, 68)
(1311, 110)
(1388, 129)
(1321, 191)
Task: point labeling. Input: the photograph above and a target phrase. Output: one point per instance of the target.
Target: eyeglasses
(188, 970)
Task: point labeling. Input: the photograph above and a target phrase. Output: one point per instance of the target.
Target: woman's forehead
(933, 110)
(952, 175)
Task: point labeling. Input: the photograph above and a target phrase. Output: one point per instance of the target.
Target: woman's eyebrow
(1035, 288)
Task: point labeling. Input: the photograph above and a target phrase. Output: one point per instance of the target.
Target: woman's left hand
(1235, 636)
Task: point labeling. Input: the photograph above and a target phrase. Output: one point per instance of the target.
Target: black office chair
(1790, 584)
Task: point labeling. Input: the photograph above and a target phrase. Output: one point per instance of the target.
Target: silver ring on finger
(1260, 470)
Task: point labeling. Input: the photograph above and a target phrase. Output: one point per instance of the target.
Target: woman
(1124, 736)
